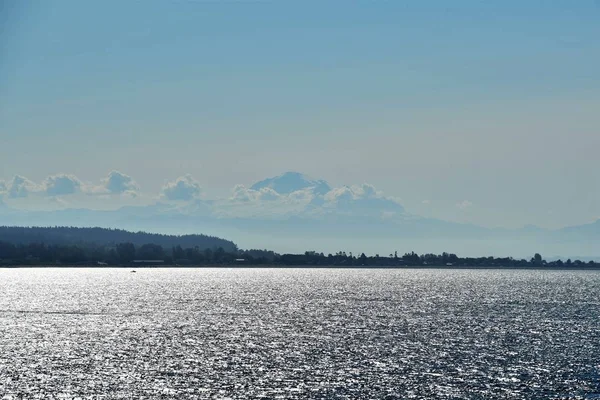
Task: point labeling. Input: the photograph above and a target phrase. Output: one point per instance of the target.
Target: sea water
(299, 333)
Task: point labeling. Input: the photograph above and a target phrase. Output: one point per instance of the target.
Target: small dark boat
(133, 270)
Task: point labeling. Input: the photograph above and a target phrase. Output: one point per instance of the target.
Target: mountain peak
(295, 174)
(292, 181)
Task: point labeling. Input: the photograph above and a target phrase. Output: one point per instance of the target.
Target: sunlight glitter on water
(299, 333)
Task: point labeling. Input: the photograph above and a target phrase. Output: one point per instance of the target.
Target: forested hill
(104, 237)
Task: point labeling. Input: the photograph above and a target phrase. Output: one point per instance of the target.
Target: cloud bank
(66, 191)
(289, 194)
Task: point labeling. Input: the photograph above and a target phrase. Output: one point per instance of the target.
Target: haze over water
(299, 333)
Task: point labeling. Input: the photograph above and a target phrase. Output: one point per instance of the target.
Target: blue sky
(482, 112)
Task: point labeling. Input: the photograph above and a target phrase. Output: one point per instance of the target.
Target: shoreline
(272, 266)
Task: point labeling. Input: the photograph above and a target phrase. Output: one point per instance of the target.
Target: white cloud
(61, 184)
(183, 188)
(463, 205)
(361, 200)
(304, 195)
(264, 202)
(426, 202)
(21, 187)
(117, 183)
(356, 200)
(268, 194)
(366, 190)
(241, 193)
(354, 192)
(340, 194)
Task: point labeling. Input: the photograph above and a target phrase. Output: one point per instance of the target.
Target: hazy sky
(484, 112)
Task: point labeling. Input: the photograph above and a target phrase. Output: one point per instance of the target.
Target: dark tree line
(127, 252)
(86, 237)
(122, 253)
(413, 259)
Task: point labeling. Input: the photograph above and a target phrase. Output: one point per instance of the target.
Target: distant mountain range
(293, 213)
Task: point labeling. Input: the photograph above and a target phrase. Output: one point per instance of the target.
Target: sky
(481, 112)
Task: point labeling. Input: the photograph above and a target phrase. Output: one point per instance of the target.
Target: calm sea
(299, 333)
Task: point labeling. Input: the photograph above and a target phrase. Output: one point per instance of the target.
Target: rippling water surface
(299, 333)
